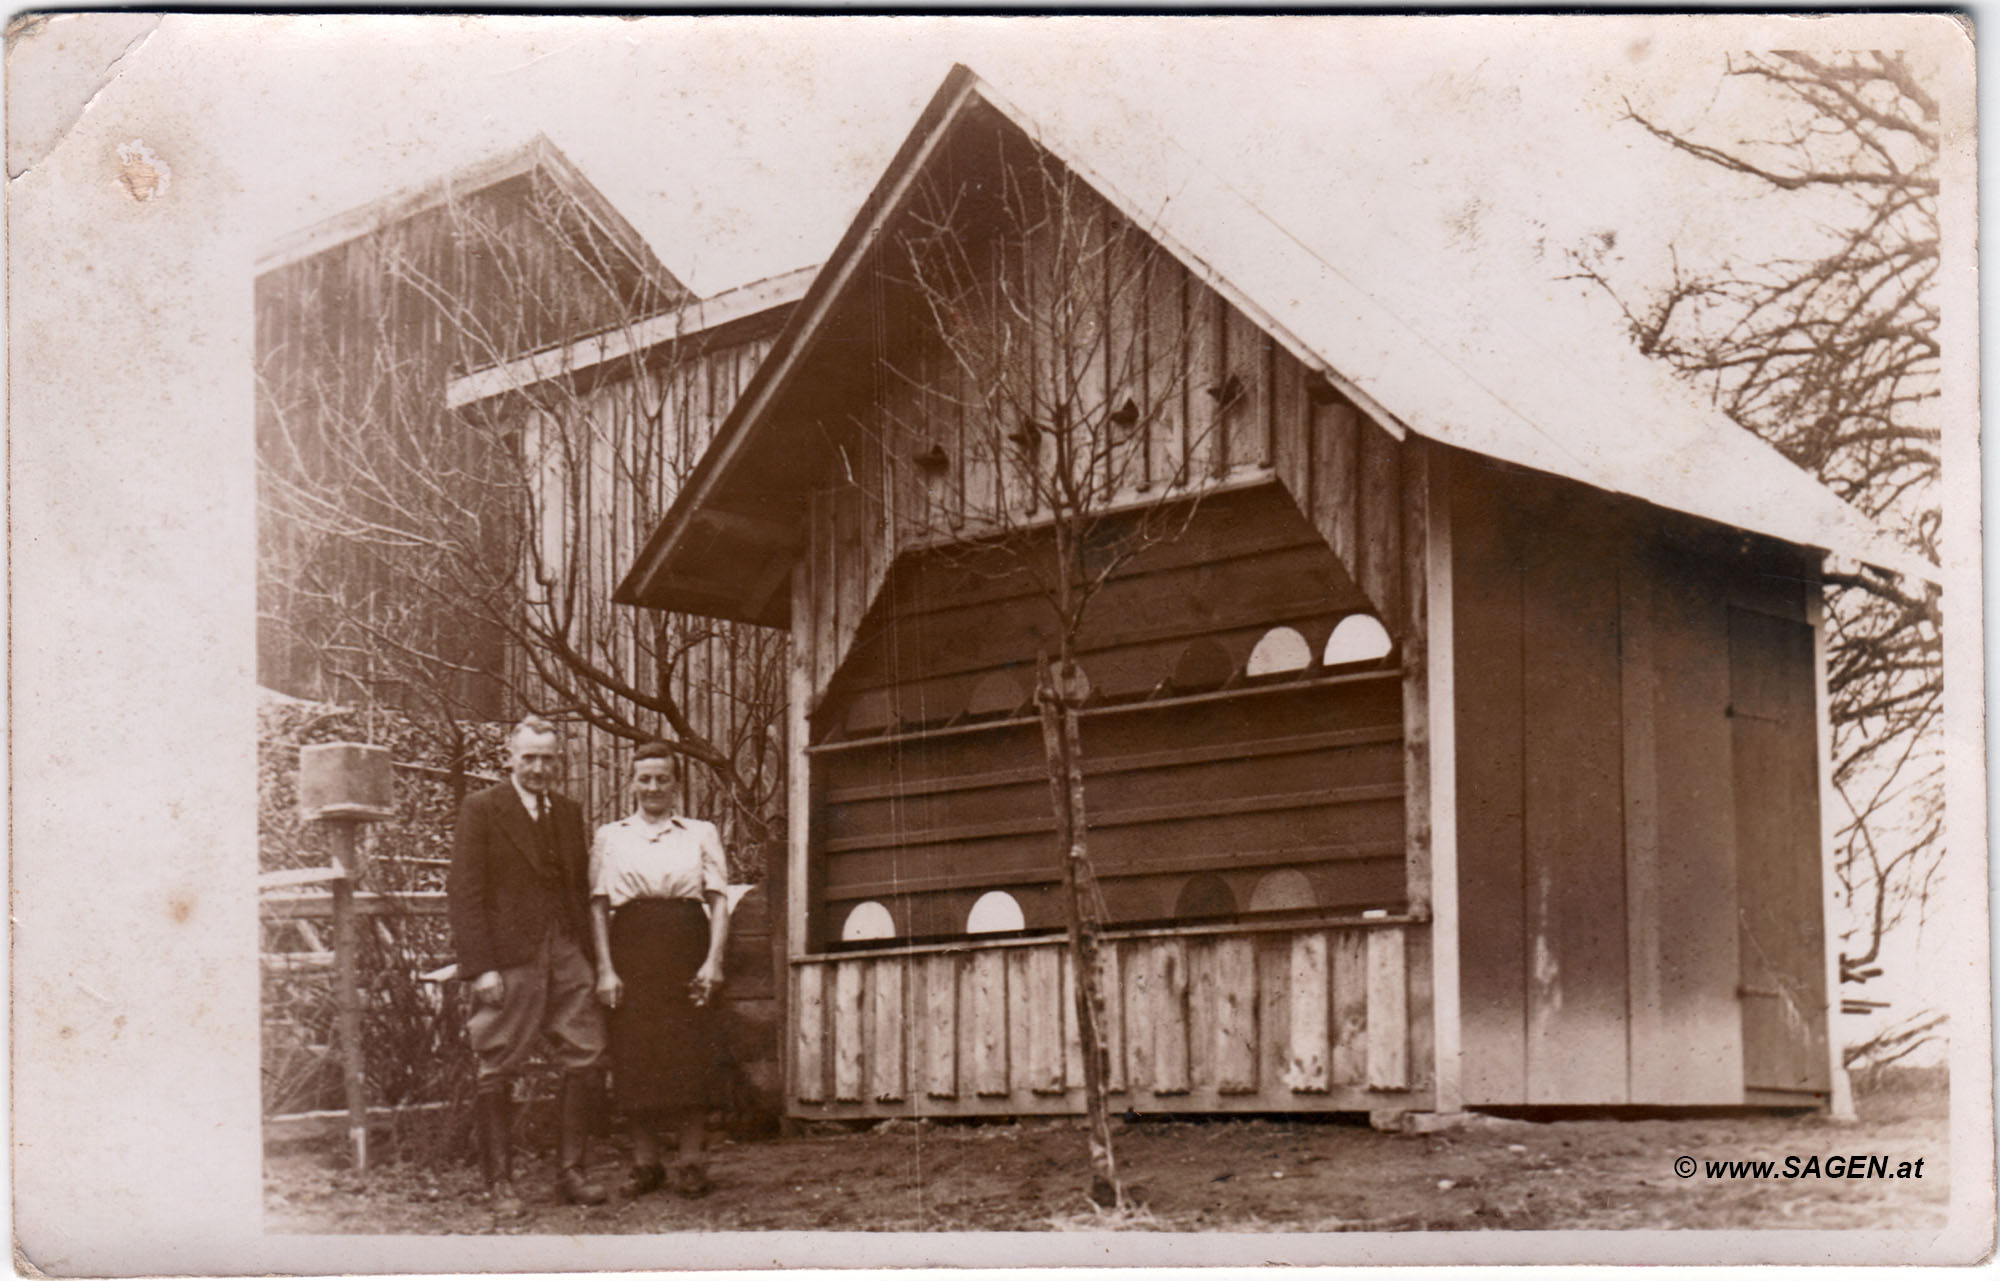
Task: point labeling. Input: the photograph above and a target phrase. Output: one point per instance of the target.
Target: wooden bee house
(1435, 760)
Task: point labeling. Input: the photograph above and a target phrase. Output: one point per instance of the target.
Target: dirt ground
(1278, 1174)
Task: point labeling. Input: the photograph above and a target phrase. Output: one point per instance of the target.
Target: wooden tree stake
(1061, 748)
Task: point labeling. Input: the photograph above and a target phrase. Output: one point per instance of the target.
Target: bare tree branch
(463, 561)
(1833, 357)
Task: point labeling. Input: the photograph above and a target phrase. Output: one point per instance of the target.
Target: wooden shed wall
(1609, 864)
(627, 439)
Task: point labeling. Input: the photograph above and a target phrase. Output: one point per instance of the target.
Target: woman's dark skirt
(661, 1041)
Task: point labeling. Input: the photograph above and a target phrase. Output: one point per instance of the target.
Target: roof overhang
(669, 571)
(703, 322)
(1407, 380)
(703, 556)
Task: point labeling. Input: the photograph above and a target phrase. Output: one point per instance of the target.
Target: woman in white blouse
(659, 967)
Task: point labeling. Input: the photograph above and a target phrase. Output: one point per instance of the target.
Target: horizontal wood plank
(1321, 798)
(1100, 767)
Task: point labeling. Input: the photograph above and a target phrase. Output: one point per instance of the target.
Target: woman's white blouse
(633, 859)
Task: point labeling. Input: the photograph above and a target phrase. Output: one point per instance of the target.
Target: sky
(740, 146)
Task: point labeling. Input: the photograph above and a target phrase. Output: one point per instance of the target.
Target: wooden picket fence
(1271, 1018)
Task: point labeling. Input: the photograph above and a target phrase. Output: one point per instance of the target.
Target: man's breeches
(552, 994)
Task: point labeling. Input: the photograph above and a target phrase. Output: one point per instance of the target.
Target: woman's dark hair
(657, 750)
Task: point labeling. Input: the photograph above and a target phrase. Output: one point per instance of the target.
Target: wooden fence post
(345, 785)
(347, 988)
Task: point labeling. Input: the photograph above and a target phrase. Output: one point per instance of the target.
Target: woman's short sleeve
(600, 874)
(714, 864)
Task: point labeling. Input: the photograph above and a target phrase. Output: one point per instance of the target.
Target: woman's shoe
(691, 1181)
(644, 1179)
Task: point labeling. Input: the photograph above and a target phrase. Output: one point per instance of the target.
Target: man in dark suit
(519, 895)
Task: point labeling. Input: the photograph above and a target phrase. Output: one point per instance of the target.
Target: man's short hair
(533, 725)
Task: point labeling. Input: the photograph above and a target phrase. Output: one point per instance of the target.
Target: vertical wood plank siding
(1309, 1069)
(1048, 1031)
(1576, 977)
(661, 413)
(1233, 996)
(1651, 1065)
(1348, 990)
(1697, 897)
(886, 1048)
(1110, 967)
(809, 1014)
(849, 992)
(1630, 847)
(1170, 1016)
(1774, 759)
(1071, 1042)
(1388, 1012)
(343, 346)
(983, 1006)
(939, 1027)
(1213, 1022)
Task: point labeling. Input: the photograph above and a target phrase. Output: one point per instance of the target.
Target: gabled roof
(537, 156)
(1503, 375)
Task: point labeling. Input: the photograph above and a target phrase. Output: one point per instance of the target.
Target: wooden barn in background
(363, 321)
(506, 307)
(1467, 747)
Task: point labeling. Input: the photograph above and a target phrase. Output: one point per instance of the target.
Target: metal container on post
(344, 785)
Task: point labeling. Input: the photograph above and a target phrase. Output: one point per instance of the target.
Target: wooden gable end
(988, 328)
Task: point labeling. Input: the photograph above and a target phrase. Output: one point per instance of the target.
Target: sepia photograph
(664, 642)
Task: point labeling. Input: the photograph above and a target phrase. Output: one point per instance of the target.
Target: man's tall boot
(494, 1112)
(573, 1142)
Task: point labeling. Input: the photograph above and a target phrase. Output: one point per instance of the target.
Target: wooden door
(1775, 764)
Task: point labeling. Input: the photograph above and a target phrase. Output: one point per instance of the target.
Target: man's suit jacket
(506, 889)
